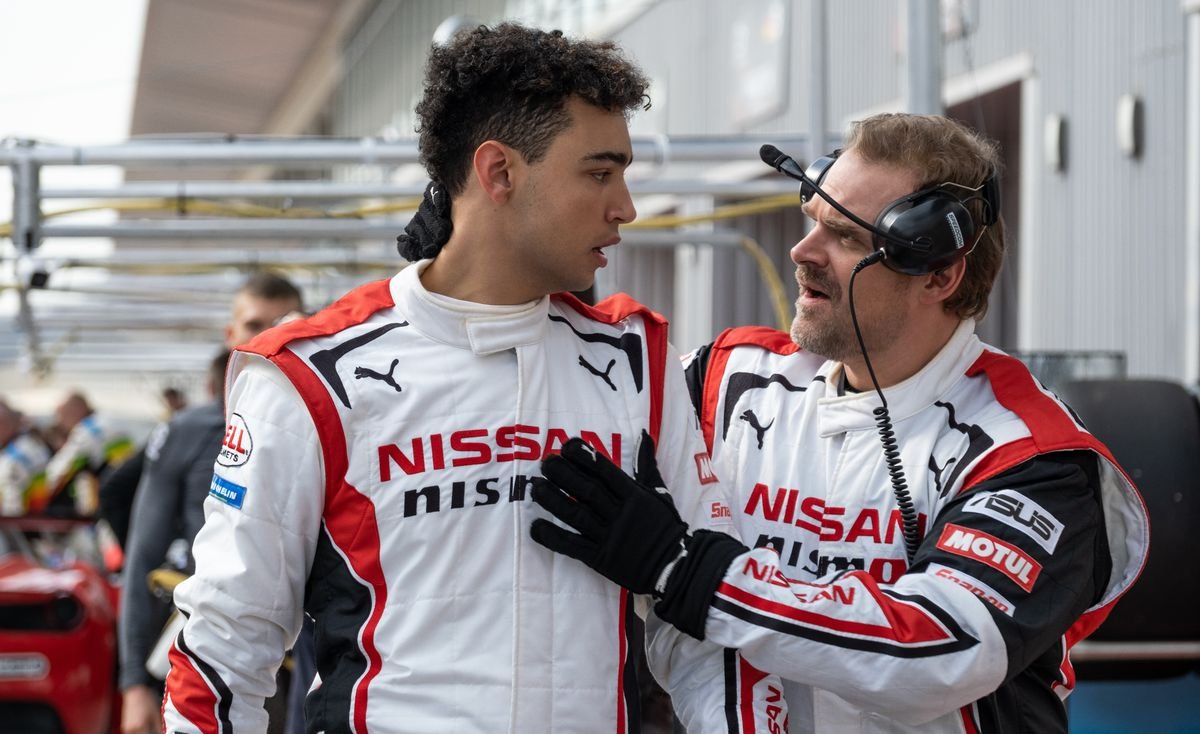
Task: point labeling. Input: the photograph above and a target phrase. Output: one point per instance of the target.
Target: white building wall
(1103, 266)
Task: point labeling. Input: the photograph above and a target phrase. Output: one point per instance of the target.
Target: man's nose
(808, 249)
(623, 210)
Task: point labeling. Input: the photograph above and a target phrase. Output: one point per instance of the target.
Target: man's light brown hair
(940, 151)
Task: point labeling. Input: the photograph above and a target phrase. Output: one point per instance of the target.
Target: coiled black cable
(887, 434)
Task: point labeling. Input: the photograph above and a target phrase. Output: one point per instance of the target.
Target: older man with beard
(932, 529)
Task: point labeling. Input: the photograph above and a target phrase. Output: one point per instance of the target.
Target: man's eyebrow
(841, 226)
(615, 156)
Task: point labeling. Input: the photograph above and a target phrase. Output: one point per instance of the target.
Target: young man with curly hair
(376, 466)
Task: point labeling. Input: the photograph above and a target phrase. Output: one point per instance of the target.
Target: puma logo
(361, 372)
(602, 375)
(759, 429)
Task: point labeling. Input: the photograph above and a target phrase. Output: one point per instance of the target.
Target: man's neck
(907, 356)
(469, 279)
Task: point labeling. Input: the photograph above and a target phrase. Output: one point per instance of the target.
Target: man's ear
(496, 167)
(941, 284)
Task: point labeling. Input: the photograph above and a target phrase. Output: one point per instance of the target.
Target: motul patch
(990, 550)
(704, 469)
(237, 445)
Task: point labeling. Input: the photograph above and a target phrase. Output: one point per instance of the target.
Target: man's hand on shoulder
(631, 533)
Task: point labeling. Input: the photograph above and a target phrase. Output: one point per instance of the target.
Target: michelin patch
(237, 445)
(230, 493)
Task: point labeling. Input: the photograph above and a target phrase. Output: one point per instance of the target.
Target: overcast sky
(69, 68)
(69, 74)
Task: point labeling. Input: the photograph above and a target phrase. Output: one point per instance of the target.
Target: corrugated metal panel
(1108, 256)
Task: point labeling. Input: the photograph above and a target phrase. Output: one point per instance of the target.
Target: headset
(917, 234)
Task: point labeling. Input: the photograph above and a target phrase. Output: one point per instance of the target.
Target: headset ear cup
(936, 226)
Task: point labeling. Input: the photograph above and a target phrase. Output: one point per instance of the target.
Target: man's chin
(816, 341)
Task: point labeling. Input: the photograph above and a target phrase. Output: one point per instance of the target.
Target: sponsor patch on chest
(704, 469)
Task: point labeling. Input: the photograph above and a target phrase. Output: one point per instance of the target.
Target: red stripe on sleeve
(907, 623)
(349, 516)
(190, 693)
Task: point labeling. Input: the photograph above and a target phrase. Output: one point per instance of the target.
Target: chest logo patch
(387, 378)
(759, 430)
(602, 374)
(237, 444)
(704, 469)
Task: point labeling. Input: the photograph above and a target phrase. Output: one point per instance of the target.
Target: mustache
(817, 279)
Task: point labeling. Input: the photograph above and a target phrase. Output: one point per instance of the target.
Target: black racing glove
(430, 227)
(631, 533)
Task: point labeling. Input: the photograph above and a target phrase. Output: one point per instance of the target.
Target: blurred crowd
(145, 497)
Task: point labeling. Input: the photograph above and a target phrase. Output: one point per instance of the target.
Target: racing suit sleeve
(712, 688)
(1005, 570)
(154, 523)
(245, 601)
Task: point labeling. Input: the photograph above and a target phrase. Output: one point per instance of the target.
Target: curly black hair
(511, 84)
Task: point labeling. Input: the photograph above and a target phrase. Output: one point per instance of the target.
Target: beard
(826, 329)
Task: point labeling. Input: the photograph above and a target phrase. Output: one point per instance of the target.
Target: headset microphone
(782, 162)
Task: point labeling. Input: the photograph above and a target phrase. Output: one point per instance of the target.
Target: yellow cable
(731, 211)
(778, 293)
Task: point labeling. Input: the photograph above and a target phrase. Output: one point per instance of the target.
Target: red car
(58, 642)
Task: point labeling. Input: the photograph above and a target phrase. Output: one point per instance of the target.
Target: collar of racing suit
(852, 411)
(479, 327)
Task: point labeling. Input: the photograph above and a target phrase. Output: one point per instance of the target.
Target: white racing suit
(375, 474)
(1030, 534)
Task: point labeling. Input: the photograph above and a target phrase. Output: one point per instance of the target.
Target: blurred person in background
(264, 300)
(23, 459)
(174, 399)
(93, 447)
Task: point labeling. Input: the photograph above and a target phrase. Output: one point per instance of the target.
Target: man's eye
(601, 176)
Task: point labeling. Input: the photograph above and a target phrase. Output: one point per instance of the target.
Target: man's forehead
(863, 187)
(248, 304)
(598, 134)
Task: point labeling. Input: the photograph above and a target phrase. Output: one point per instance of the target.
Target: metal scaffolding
(701, 165)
